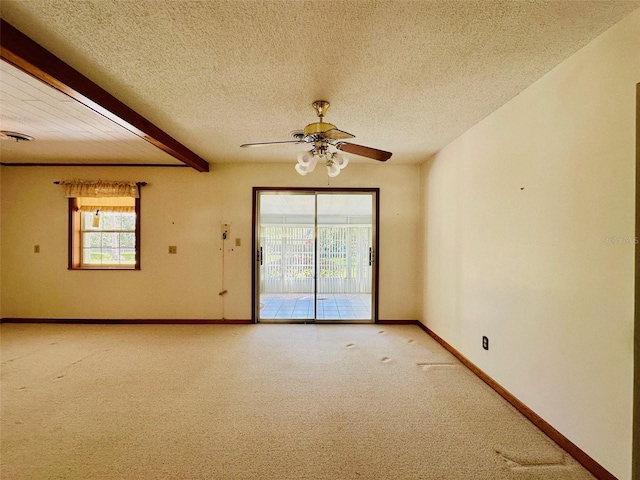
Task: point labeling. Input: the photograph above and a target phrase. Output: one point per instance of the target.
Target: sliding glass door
(315, 256)
(344, 250)
(286, 256)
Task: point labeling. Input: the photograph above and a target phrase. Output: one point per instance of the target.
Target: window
(104, 225)
(104, 239)
(107, 238)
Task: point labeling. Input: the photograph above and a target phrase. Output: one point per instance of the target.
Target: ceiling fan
(323, 135)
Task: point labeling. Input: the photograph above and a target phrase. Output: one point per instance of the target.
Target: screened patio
(316, 266)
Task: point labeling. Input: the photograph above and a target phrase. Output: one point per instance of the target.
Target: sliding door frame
(255, 274)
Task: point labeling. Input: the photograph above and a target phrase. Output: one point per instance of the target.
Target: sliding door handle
(259, 256)
(370, 256)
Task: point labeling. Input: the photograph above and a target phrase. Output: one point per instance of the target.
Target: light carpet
(256, 402)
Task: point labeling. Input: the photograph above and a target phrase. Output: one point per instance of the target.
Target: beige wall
(516, 216)
(184, 208)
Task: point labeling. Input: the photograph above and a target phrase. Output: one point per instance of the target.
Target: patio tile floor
(299, 306)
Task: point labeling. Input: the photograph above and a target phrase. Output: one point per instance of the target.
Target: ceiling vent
(18, 137)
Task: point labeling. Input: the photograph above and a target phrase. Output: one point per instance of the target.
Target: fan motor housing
(318, 127)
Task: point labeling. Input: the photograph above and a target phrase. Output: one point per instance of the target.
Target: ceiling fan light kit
(323, 136)
(332, 169)
(307, 162)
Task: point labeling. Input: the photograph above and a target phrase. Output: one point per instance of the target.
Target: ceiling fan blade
(368, 152)
(265, 144)
(336, 134)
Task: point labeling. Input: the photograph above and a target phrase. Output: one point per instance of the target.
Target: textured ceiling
(403, 76)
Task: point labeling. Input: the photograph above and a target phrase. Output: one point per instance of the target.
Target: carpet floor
(256, 402)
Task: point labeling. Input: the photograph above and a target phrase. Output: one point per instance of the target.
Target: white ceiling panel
(64, 130)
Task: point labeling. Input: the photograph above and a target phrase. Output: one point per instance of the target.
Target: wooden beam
(22, 52)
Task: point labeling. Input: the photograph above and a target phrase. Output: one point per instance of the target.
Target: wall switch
(36, 249)
(485, 343)
(173, 249)
(238, 242)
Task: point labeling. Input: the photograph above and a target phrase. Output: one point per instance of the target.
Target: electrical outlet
(173, 249)
(238, 242)
(36, 249)
(485, 343)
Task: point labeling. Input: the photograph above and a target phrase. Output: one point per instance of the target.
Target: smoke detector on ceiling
(18, 137)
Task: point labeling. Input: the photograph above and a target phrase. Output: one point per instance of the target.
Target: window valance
(106, 204)
(99, 188)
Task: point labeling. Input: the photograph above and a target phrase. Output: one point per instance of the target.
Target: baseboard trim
(571, 448)
(130, 321)
(172, 321)
(397, 322)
